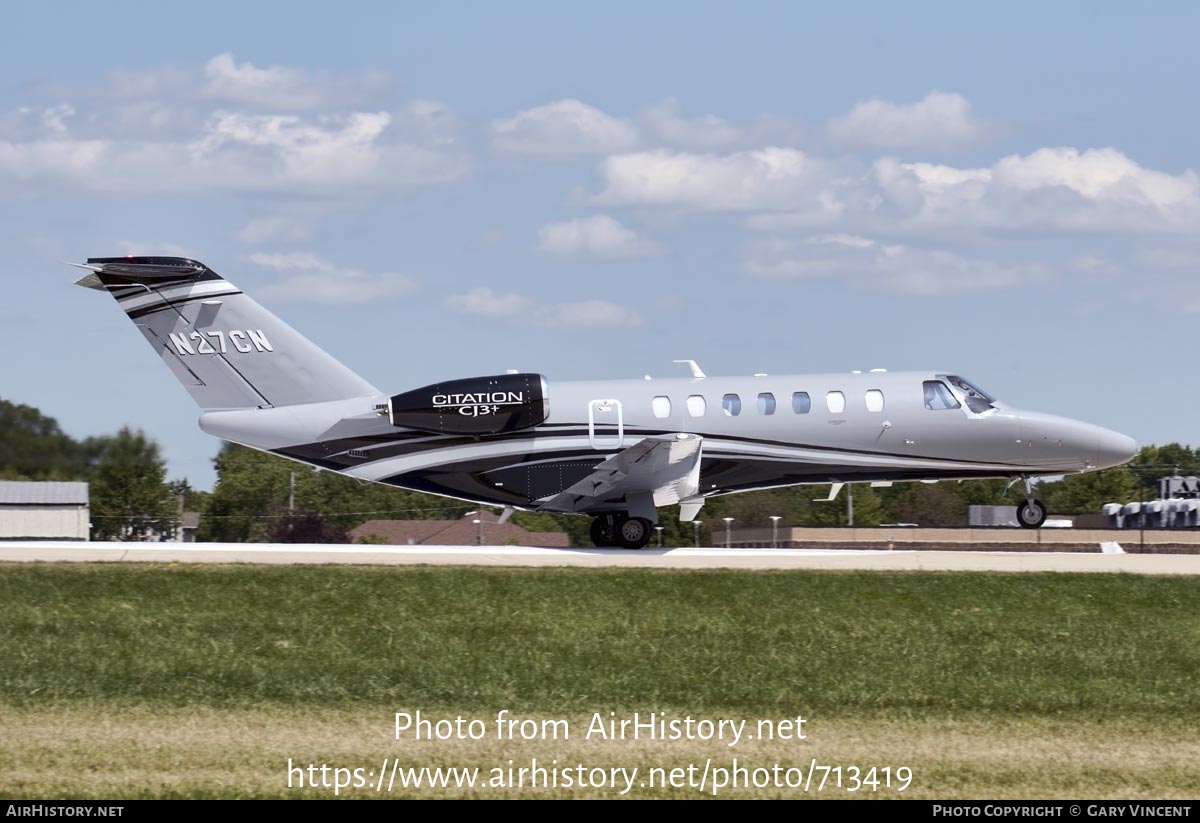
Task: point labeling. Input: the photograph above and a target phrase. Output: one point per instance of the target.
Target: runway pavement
(647, 558)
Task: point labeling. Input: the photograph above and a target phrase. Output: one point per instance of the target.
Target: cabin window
(731, 404)
(938, 396)
(661, 406)
(766, 403)
(696, 405)
(836, 401)
(801, 404)
(874, 400)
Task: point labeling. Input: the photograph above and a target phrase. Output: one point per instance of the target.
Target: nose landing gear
(1031, 512)
(619, 530)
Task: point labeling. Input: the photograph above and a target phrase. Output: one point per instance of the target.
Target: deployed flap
(667, 468)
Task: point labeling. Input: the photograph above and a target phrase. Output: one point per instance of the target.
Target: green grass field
(131, 681)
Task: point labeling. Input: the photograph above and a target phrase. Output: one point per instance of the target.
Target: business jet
(614, 449)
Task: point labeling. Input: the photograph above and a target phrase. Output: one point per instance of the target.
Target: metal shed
(44, 511)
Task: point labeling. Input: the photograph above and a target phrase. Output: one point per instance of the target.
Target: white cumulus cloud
(1051, 189)
(280, 87)
(762, 179)
(665, 122)
(158, 82)
(589, 314)
(54, 119)
(321, 152)
(229, 126)
(483, 302)
(597, 236)
(563, 127)
(866, 263)
(940, 120)
(274, 229)
(347, 154)
(583, 314)
(309, 278)
(141, 249)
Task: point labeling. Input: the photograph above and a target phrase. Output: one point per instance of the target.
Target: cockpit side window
(977, 400)
(938, 396)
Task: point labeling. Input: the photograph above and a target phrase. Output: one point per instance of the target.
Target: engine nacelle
(476, 405)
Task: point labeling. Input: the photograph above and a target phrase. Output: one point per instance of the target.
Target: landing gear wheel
(1031, 514)
(604, 531)
(634, 533)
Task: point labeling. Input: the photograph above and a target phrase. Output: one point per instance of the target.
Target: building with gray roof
(44, 511)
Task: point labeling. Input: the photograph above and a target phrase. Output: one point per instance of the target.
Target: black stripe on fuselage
(335, 452)
(400, 445)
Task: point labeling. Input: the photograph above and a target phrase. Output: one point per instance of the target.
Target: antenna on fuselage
(691, 364)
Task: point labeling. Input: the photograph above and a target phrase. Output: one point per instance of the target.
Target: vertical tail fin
(227, 350)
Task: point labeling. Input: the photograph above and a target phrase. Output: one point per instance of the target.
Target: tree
(868, 509)
(193, 501)
(33, 447)
(928, 505)
(251, 488)
(1154, 462)
(254, 501)
(130, 499)
(1087, 493)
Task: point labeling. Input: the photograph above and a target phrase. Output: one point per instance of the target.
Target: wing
(656, 471)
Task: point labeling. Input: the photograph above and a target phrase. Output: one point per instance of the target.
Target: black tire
(604, 531)
(634, 533)
(1031, 514)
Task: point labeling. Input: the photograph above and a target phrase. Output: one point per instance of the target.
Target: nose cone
(1072, 445)
(1113, 449)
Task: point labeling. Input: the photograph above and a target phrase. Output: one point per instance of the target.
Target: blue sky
(437, 191)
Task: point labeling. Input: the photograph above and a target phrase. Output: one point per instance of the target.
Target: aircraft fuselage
(758, 432)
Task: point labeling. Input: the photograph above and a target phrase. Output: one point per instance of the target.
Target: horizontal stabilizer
(144, 268)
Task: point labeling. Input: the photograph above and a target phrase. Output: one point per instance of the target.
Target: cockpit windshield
(977, 400)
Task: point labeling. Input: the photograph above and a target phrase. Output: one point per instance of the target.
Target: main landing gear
(1031, 513)
(619, 530)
